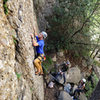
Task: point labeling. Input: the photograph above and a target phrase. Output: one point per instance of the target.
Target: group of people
(69, 86)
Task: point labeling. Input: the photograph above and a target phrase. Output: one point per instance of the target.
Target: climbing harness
(41, 57)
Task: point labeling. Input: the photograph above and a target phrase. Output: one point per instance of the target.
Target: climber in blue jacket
(39, 44)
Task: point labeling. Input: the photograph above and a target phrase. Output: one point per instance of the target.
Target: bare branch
(85, 21)
(82, 43)
(96, 53)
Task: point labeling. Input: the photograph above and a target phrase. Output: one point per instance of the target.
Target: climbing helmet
(44, 34)
(84, 80)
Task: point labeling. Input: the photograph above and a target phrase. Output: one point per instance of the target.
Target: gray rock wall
(8, 79)
(17, 78)
(43, 9)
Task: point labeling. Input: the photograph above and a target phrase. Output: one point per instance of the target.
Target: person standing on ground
(63, 66)
(39, 44)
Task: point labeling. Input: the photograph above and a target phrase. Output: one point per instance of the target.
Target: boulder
(85, 74)
(87, 62)
(82, 96)
(67, 88)
(60, 79)
(84, 63)
(54, 58)
(74, 88)
(74, 75)
(60, 53)
(60, 88)
(64, 96)
(48, 78)
(97, 71)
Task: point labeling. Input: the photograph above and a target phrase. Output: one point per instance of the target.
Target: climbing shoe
(41, 73)
(37, 73)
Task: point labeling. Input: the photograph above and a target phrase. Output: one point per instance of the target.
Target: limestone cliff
(17, 78)
(43, 9)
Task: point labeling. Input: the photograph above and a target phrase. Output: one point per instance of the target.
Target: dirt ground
(52, 93)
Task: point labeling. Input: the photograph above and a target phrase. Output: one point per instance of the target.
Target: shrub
(5, 6)
(96, 63)
(18, 75)
(89, 86)
(47, 63)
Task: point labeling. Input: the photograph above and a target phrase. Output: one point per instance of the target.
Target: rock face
(43, 9)
(82, 96)
(17, 78)
(8, 79)
(74, 75)
(64, 96)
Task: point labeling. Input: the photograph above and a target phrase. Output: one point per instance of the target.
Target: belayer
(39, 44)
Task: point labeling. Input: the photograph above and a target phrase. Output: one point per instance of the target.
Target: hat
(44, 34)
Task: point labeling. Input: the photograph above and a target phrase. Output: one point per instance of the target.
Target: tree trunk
(96, 53)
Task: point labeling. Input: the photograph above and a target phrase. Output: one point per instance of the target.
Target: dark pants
(57, 75)
(77, 91)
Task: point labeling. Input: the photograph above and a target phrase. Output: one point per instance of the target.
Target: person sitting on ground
(39, 44)
(80, 87)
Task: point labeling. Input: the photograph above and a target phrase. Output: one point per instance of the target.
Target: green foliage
(49, 60)
(96, 63)
(18, 75)
(96, 79)
(14, 40)
(31, 89)
(67, 18)
(5, 9)
(47, 63)
(90, 87)
(5, 6)
(4, 1)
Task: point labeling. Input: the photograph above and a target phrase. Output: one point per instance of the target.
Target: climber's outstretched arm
(35, 43)
(35, 33)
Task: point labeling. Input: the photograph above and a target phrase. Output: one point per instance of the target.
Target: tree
(71, 22)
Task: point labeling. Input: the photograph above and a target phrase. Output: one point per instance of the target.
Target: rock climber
(39, 44)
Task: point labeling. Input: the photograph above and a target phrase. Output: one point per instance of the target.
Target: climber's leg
(41, 70)
(37, 63)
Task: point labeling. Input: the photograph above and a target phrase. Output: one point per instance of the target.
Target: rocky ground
(52, 94)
